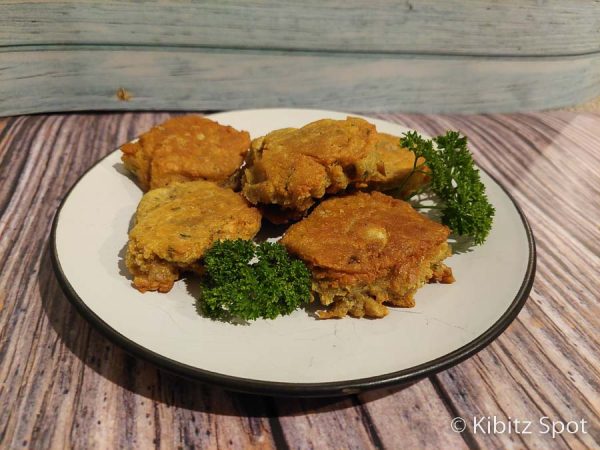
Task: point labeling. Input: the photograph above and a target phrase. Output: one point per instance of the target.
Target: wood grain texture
(419, 56)
(64, 79)
(63, 385)
(451, 27)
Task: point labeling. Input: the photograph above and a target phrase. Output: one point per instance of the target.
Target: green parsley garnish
(455, 181)
(246, 281)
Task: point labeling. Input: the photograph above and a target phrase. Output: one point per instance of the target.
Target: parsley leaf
(247, 281)
(455, 180)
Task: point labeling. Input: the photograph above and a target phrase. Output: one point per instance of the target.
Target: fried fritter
(176, 225)
(396, 165)
(292, 167)
(288, 170)
(366, 250)
(185, 149)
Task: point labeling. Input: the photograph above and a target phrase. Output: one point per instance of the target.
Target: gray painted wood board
(477, 27)
(83, 78)
(413, 56)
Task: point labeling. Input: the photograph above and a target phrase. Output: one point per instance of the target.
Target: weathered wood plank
(412, 417)
(326, 423)
(89, 78)
(483, 27)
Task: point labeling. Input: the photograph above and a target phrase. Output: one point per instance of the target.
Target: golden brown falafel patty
(187, 148)
(176, 225)
(366, 250)
(293, 167)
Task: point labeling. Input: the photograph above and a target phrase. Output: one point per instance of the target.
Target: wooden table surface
(65, 385)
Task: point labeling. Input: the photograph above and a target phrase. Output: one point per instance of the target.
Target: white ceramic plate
(297, 354)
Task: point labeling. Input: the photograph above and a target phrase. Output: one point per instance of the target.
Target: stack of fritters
(291, 168)
(185, 149)
(175, 225)
(367, 250)
(288, 170)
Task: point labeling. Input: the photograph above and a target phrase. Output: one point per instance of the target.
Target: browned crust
(289, 170)
(175, 225)
(368, 247)
(396, 165)
(187, 148)
(292, 167)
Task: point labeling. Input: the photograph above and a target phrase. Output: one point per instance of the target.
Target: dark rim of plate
(337, 388)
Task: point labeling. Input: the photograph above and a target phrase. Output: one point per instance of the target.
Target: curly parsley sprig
(454, 179)
(246, 281)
